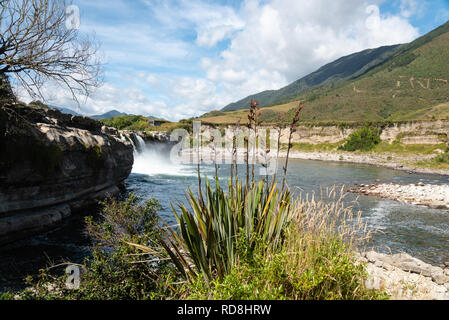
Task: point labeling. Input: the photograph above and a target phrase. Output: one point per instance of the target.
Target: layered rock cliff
(53, 164)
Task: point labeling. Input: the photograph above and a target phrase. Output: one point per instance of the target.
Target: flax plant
(292, 130)
(215, 223)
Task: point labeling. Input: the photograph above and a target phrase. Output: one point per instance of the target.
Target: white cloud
(213, 26)
(212, 22)
(409, 8)
(183, 97)
(165, 61)
(285, 40)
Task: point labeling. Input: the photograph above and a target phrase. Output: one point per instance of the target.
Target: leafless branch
(36, 46)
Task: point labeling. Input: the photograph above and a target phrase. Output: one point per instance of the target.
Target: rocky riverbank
(430, 195)
(403, 277)
(53, 164)
(390, 161)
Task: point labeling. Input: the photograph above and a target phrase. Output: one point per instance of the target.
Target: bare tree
(38, 45)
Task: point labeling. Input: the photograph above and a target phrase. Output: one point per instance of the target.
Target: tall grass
(227, 240)
(314, 262)
(208, 234)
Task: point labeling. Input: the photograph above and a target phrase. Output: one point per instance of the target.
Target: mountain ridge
(403, 82)
(359, 63)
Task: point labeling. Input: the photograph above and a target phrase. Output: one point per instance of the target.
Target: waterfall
(154, 159)
(141, 147)
(132, 142)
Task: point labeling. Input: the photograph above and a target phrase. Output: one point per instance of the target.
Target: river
(420, 231)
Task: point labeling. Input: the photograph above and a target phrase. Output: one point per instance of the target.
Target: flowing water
(419, 231)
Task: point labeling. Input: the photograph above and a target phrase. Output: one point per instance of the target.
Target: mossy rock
(17, 150)
(96, 158)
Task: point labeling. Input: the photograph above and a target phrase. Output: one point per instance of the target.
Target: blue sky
(178, 59)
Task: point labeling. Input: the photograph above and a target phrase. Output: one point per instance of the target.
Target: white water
(132, 142)
(140, 143)
(154, 159)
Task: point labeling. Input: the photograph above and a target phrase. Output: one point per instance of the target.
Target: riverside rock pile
(403, 277)
(431, 195)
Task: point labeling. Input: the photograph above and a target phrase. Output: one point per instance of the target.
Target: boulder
(404, 277)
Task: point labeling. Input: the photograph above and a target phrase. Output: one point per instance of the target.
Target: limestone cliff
(52, 164)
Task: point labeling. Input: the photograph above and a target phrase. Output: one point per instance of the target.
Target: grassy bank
(383, 147)
(312, 260)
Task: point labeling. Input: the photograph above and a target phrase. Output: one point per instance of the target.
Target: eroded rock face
(405, 277)
(49, 159)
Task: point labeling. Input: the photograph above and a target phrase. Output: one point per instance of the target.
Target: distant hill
(348, 67)
(405, 82)
(65, 110)
(412, 84)
(115, 113)
(109, 114)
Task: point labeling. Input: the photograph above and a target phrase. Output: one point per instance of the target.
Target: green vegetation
(411, 149)
(141, 123)
(251, 240)
(364, 139)
(249, 215)
(442, 158)
(402, 83)
(308, 147)
(128, 123)
(309, 257)
(113, 272)
(39, 104)
(314, 262)
(439, 162)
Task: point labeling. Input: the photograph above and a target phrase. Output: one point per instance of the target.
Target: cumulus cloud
(409, 8)
(285, 40)
(212, 22)
(181, 97)
(178, 59)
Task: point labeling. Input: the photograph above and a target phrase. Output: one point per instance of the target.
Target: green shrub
(137, 123)
(113, 272)
(39, 104)
(442, 158)
(314, 262)
(7, 296)
(364, 139)
(335, 275)
(210, 232)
